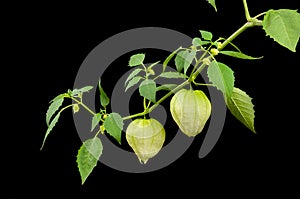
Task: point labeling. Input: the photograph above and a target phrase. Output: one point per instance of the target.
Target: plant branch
(84, 106)
(250, 23)
(246, 10)
(151, 108)
(136, 115)
(235, 34)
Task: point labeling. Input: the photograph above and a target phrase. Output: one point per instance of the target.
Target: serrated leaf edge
(83, 178)
(252, 111)
(53, 108)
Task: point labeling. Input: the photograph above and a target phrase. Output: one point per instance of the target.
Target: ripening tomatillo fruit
(146, 137)
(190, 110)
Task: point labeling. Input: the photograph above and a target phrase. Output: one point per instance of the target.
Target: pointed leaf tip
(213, 4)
(114, 126)
(136, 59)
(241, 107)
(88, 156)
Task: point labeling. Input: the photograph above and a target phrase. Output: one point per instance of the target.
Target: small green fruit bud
(75, 108)
(214, 51)
(220, 45)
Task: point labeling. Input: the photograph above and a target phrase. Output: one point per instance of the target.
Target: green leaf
(221, 76)
(50, 127)
(114, 126)
(88, 156)
(206, 35)
(167, 60)
(136, 60)
(190, 56)
(180, 61)
(213, 3)
(133, 74)
(133, 82)
(241, 107)
(96, 119)
(147, 89)
(197, 41)
(153, 64)
(81, 90)
(283, 26)
(85, 89)
(59, 97)
(167, 87)
(171, 74)
(54, 106)
(184, 59)
(104, 99)
(239, 55)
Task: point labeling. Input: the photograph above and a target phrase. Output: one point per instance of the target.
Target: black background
(47, 44)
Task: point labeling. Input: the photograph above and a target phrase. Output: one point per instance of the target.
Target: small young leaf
(96, 119)
(114, 126)
(213, 3)
(80, 91)
(222, 77)
(133, 82)
(283, 26)
(167, 60)
(184, 59)
(151, 66)
(171, 74)
(197, 41)
(50, 127)
(150, 71)
(206, 35)
(238, 55)
(180, 61)
(133, 74)
(85, 89)
(88, 156)
(104, 100)
(136, 60)
(54, 106)
(241, 107)
(147, 89)
(167, 87)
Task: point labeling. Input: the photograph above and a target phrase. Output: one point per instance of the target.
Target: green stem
(99, 131)
(150, 109)
(136, 115)
(61, 110)
(84, 106)
(197, 72)
(201, 84)
(246, 10)
(168, 94)
(261, 14)
(235, 34)
(144, 103)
